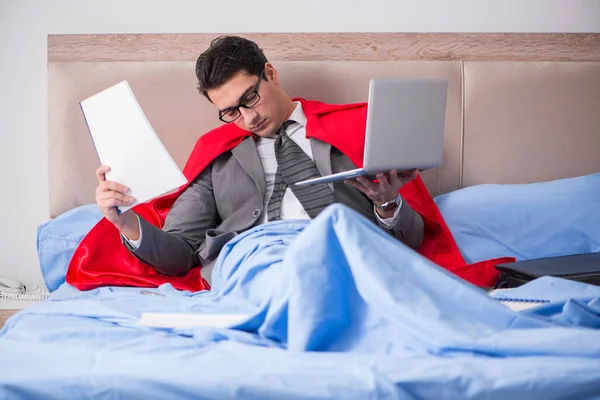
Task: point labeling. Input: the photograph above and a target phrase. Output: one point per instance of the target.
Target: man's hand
(111, 194)
(385, 189)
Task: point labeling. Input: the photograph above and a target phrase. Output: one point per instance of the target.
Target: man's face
(263, 118)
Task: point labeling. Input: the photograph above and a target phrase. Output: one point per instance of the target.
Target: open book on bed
(127, 143)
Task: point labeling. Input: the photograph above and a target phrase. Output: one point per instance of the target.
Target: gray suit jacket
(227, 199)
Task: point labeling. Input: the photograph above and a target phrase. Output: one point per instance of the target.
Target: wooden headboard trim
(335, 47)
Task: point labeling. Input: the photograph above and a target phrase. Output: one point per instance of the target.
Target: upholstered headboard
(520, 108)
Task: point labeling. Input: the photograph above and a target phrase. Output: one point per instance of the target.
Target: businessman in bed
(252, 183)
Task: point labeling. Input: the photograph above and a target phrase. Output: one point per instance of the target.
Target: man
(252, 183)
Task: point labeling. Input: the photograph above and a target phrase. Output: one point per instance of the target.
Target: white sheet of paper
(165, 320)
(125, 141)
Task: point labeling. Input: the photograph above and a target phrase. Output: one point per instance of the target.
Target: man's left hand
(387, 186)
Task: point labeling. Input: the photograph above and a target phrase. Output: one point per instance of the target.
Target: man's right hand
(111, 194)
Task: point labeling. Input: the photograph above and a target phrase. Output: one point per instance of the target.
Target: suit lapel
(247, 155)
(322, 156)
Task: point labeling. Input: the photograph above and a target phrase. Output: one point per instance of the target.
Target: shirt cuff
(387, 222)
(135, 244)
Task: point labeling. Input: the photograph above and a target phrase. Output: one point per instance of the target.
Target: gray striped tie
(295, 165)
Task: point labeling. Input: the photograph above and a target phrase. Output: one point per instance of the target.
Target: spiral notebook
(125, 141)
(516, 303)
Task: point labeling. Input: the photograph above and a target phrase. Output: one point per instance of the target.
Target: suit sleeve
(173, 250)
(408, 227)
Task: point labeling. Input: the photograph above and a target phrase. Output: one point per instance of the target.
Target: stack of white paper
(126, 142)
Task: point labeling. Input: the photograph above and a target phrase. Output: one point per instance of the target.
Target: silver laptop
(405, 128)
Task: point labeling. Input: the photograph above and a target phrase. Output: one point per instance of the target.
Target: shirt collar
(298, 114)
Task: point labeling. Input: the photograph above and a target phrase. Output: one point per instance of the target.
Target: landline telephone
(13, 289)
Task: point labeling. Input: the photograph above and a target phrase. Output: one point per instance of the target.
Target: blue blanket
(338, 310)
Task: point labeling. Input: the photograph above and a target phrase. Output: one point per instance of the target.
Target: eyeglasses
(248, 101)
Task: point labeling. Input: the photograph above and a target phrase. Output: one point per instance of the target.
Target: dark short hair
(225, 57)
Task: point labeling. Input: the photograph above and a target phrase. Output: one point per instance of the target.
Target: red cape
(102, 260)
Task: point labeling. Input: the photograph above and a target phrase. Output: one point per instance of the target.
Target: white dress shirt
(290, 205)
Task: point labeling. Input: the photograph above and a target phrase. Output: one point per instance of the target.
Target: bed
(522, 110)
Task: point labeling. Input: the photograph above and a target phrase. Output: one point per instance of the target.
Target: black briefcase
(578, 267)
